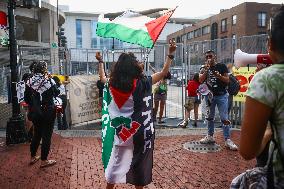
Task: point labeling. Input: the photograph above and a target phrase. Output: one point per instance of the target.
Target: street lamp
(15, 132)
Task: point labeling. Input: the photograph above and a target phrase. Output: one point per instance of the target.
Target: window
(205, 30)
(94, 42)
(78, 33)
(204, 47)
(234, 19)
(195, 47)
(261, 19)
(223, 43)
(224, 25)
(183, 38)
(197, 33)
(178, 39)
(233, 39)
(190, 35)
(262, 33)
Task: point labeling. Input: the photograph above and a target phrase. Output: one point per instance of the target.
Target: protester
(128, 131)
(215, 75)
(61, 117)
(39, 94)
(160, 97)
(192, 101)
(266, 95)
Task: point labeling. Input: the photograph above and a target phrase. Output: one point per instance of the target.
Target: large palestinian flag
(133, 27)
(128, 134)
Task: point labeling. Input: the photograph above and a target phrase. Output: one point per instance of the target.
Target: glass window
(205, 30)
(190, 35)
(79, 33)
(224, 25)
(94, 42)
(195, 47)
(197, 33)
(223, 43)
(261, 19)
(178, 39)
(234, 19)
(183, 38)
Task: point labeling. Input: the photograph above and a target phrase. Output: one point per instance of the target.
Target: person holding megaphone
(216, 77)
(265, 103)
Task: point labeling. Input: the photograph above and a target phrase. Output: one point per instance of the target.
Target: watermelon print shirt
(267, 87)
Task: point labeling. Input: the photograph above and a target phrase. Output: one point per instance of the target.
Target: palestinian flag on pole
(128, 134)
(133, 27)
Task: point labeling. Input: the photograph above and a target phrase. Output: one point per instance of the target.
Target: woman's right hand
(172, 47)
(99, 56)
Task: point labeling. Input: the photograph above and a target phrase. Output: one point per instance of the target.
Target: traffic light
(61, 38)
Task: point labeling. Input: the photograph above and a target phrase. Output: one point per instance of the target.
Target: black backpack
(35, 107)
(234, 85)
(35, 110)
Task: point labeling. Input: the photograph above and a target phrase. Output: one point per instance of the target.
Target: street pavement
(78, 156)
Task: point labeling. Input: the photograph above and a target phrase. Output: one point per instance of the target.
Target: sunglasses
(210, 56)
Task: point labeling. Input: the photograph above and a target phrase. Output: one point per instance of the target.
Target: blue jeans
(222, 105)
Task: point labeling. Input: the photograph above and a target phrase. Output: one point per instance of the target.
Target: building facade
(246, 19)
(80, 31)
(35, 33)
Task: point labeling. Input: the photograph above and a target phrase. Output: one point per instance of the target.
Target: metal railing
(188, 60)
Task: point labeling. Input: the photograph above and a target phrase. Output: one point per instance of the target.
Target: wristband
(100, 61)
(171, 56)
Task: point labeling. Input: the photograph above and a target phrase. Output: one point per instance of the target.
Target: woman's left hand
(99, 56)
(172, 46)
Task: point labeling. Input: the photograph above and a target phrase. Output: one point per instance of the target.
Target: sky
(186, 8)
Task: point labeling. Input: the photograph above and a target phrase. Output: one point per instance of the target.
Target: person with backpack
(39, 95)
(265, 103)
(215, 75)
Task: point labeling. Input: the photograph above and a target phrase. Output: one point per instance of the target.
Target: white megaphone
(242, 59)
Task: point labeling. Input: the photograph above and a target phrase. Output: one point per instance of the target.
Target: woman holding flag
(127, 120)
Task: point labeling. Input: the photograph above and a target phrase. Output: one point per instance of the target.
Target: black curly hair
(124, 71)
(40, 67)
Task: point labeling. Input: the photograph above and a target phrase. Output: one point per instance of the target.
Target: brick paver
(79, 165)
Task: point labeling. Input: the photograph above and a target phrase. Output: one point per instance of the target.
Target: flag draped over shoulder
(133, 27)
(128, 134)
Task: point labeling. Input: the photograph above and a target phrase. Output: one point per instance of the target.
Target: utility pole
(15, 132)
(58, 37)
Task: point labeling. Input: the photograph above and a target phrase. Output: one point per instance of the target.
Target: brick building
(246, 19)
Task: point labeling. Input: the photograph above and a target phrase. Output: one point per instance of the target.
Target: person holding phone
(215, 75)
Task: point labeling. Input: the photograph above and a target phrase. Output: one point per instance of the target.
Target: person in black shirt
(39, 95)
(215, 75)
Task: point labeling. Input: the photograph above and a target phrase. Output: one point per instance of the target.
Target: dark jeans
(61, 118)
(43, 131)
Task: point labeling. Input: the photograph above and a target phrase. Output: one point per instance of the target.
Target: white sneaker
(231, 145)
(207, 140)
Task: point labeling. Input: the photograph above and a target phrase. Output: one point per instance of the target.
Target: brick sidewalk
(79, 165)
